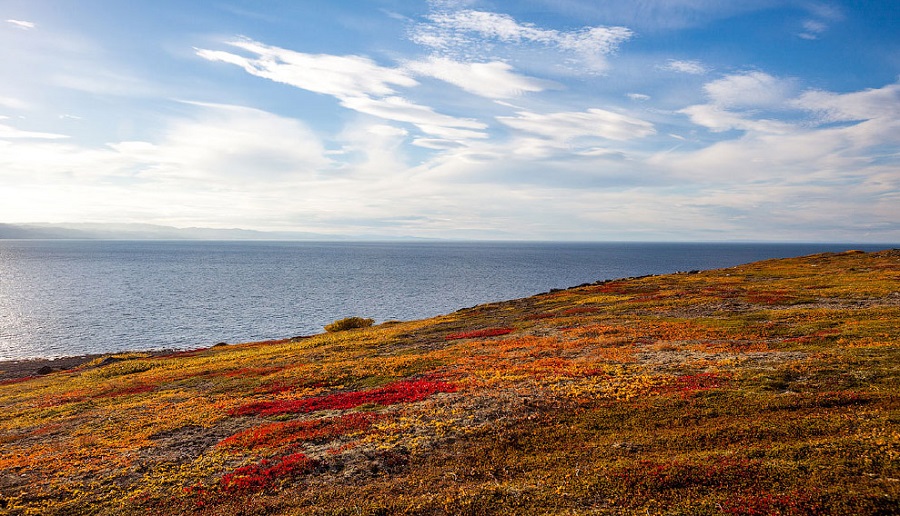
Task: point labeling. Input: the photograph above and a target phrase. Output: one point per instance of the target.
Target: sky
(569, 120)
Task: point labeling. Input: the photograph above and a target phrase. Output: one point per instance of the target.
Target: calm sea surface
(63, 297)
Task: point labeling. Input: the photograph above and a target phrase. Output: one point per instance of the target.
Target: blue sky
(536, 120)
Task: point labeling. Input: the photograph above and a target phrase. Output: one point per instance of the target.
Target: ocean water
(74, 297)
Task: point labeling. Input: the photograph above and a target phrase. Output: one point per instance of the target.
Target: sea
(76, 297)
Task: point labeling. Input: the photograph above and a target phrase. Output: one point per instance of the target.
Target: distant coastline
(86, 231)
(139, 231)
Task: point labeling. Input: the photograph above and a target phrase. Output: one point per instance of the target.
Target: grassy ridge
(768, 388)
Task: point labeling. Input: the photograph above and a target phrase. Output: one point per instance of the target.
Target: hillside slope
(767, 388)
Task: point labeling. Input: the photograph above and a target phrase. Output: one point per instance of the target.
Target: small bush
(348, 324)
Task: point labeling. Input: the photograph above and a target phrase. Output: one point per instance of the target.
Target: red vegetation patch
(653, 477)
(612, 287)
(404, 391)
(47, 429)
(488, 332)
(276, 435)
(274, 388)
(137, 389)
(266, 473)
(692, 383)
(772, 297)
(719, 291)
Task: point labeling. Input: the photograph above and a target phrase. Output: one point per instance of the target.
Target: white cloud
(435, 143)
(220, 145)
(822, 15)
(340, 76)
(9, 132)
(863, 105)
(748, 90)
(690, 67)
(227, 165)
(735, 100)
(593, 123)
(718, 120)
(495, 80)
(24, 25)
(639, 97)
(13, 103)
(373, 149)
(425, 118)
(357, 82)
(811, 151)
(235, 143)
(812, 29)
(807, 175)
(464, 34)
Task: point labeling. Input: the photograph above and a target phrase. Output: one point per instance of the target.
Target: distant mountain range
(34, 231)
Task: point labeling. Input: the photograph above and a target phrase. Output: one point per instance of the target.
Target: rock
(109, 360)
(44, 370)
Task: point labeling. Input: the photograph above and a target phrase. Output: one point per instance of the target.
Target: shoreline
(16, 369)
(30, 367)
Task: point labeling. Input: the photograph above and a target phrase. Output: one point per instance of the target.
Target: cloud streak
(495, 79)
(567, 126)
(339, 76)
(465, 34)
(692, 67)
(20, 24)
(8, 132)
(357, 82)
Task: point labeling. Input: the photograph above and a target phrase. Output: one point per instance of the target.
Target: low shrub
(349, 323)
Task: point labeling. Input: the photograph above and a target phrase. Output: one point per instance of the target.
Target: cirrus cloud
(339, 76)
(21, 24)
(357, 82)
(495, 80)
(464, 34)
(593, 123)
(692, 67)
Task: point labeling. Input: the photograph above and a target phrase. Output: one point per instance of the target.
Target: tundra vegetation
(767, 388)
(349, 323)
